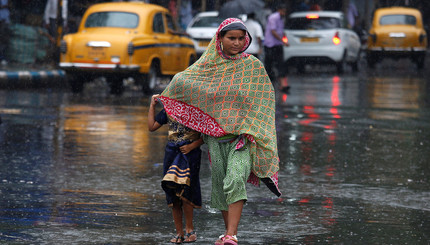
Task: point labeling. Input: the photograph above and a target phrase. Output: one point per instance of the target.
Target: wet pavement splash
(83, 169)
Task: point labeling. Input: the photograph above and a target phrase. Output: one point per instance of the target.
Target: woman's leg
(238, 171)
(225, 218)
(234, 214)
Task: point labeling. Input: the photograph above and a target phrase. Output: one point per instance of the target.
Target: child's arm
(185, 149)
(152, 124)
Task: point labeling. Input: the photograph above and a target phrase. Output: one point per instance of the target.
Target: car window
(207, 21)
(170, 23)
(112, 19)
(398, 19)
(313, 22)
(158, 24)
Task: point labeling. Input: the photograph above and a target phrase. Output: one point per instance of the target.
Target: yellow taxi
(397, 32)
(125, 39)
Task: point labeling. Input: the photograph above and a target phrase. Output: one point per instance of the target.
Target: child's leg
(189, 226)
(188, 211)
(177, 217)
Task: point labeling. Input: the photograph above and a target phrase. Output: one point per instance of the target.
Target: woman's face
(233, 42)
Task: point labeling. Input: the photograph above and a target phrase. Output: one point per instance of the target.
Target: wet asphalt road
(354, 149)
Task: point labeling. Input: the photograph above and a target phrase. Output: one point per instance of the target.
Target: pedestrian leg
(177, 218)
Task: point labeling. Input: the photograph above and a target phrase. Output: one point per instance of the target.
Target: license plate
(204, 43)
(96, 52)
(309, 39)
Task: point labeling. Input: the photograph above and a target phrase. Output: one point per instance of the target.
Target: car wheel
(340, 66)
(116, 85)
(192, 60)
(420, 62)
(152, 79)
(300, 68)
(371, 60)
(76, 82)
(354, 66)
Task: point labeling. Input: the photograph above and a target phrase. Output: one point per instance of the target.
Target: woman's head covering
(220, 95)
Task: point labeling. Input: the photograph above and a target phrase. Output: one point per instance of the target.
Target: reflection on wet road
(354, 167)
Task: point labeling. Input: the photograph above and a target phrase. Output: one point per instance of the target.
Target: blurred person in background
(274, 47)
(352, 14)
(53, 19)
(185, 13)
(303, 6)
(4, 26)
(256, 32)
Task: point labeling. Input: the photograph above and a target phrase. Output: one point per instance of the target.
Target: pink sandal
(220, 240)
(230, 240)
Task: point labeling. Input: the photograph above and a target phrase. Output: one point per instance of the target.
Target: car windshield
(207, 21)
(112, 19)
(313, 22)
(397, 19)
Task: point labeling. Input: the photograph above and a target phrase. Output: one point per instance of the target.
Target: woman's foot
(220, 240)
(190, 237)
(230, 240)
(177, 239)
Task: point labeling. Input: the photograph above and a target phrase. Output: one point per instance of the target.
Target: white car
(320, 38)
(202, 29)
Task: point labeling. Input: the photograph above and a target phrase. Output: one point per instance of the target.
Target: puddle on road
(86, 170)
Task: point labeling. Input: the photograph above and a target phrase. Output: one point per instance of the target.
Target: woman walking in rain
(227, 96)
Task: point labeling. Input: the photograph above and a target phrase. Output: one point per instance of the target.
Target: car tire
(420, 62)
(300, 68)
(340, 66)
(116, 85)
(152, 79)
(354, 66)
(192, 60)
(76, 82)
(371, 60)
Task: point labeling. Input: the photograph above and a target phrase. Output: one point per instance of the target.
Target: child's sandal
(177, 239)
(190, 237)
(230, 240)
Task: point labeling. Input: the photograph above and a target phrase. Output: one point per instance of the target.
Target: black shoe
(286, 90)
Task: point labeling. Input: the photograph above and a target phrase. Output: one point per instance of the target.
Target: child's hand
(185, 149)
(154, 99)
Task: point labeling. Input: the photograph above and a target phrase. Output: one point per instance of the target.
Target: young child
(181, 181)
